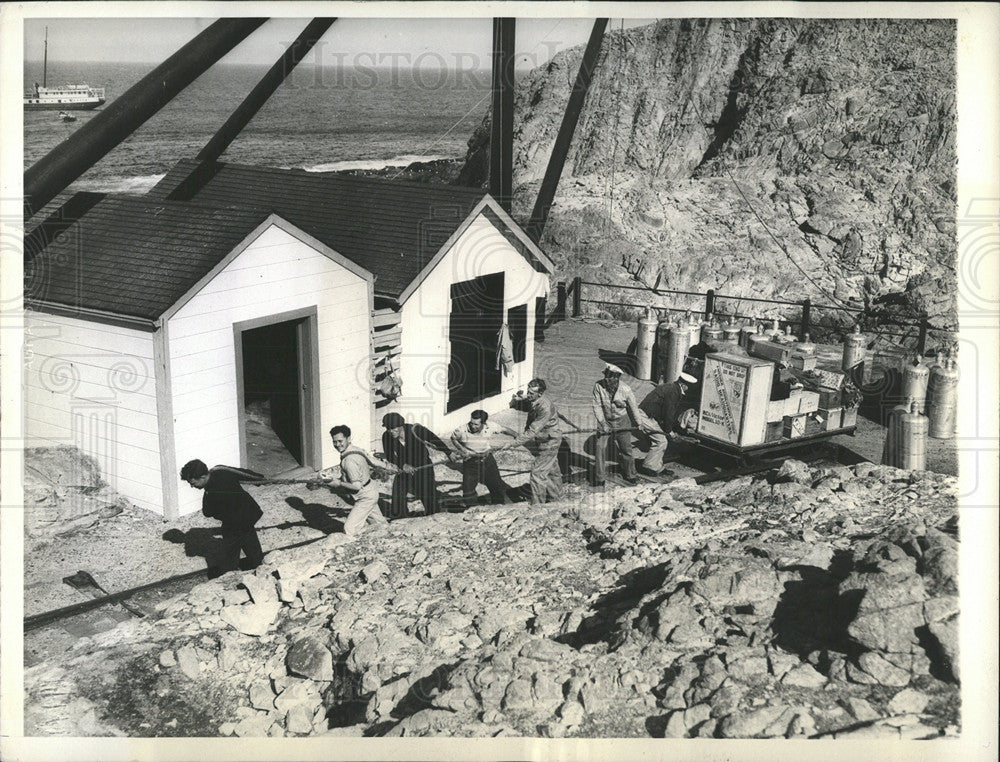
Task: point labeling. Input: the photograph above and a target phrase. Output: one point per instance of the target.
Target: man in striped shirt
(472, 443)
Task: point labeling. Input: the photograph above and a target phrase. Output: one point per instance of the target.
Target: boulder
(310, 658)
(261, 588)
(187, 659)
(261, 695)
(804, 676)
(945, 635)
(873, 669)
(374, 571)
(750, 723)
(908, 701)
(251, 618)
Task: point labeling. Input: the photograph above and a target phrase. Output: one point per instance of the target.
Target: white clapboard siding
(92, 385)
(276, 273)
(480, 250)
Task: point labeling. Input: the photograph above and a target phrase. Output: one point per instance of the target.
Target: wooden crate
(831, 417)
(734, 394)
(794, 426)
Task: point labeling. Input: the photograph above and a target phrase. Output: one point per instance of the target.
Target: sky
(428, 43)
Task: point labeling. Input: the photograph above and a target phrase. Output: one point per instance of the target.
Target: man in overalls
(356, 482)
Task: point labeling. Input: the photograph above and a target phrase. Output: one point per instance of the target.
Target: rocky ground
(811, 602)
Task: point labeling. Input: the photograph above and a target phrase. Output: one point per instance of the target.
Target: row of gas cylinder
(930, 391)
(662, 346)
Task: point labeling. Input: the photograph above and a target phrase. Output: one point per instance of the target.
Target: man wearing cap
(664, 403)
(405, 446)
(616, 412)
(542, 438)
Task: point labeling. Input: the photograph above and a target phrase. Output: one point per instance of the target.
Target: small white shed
(149, 322)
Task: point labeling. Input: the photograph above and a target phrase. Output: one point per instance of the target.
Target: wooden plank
(385, 318)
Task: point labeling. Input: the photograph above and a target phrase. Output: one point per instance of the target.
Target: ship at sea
(66, 97)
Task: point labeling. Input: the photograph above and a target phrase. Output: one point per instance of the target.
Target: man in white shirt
(356, 483)
(472, 443)
(617, 413)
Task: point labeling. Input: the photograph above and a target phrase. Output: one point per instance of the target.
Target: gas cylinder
(805, 346)
(757, 335)
(774, 332)
(854, 349)
(915, 377)
(731, 332)
(787, 337)
(662, 342)
(675, 352)
(694, 329)
(942, 405)
(711, 333)
(893, 435)
(645, 338)
(913, 426)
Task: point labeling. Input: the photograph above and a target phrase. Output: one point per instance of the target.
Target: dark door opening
(272, 384)
(475, 320)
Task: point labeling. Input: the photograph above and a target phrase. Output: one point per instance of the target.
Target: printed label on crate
(722, 401)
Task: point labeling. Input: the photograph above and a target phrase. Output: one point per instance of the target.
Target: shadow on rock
(811, 613)
(602, 625)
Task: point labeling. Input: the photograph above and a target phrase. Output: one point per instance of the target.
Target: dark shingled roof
(392, 229)
(127, 255)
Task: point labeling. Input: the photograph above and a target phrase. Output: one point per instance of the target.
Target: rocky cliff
(777, 158)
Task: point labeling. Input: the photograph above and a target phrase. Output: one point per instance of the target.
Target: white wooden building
(148, 317)
(135, 339)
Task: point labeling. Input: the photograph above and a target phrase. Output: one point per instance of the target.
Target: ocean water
(319, 119)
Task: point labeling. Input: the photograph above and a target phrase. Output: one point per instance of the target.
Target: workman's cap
(687, 378)
(392, 420)
(609, 368)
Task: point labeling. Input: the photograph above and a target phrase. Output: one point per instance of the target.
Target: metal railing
(570, 300)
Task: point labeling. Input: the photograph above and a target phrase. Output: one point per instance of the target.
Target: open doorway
(475, 320)
(275, 371)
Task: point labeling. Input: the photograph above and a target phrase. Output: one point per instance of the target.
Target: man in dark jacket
(665, 403)
(405, 446)
(226, 500)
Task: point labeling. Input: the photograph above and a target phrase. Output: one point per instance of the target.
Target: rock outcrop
(815, 603)
(777, 158)
(64, 492)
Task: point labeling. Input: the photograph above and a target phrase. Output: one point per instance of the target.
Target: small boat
(66, 117)
(73, 97)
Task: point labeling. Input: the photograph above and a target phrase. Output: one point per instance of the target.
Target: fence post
(577, 296)
(806, 310)
(560, 300)
(709, 303)
(922, 338)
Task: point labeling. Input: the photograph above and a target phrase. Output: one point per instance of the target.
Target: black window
(517, 323)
